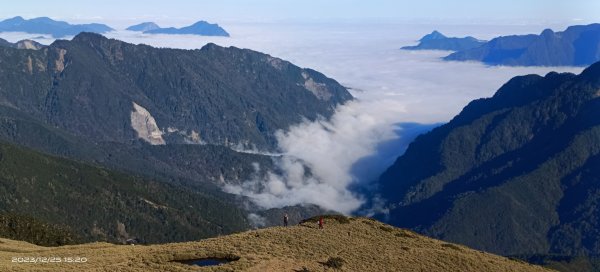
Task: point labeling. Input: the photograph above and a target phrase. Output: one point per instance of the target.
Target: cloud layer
(325, 160)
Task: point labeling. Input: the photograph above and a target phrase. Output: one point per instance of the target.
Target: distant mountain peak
(29, 44)
(44, 19)
(210, 46)
(202, 28)
(435, 35)
(22, 44)
(202, 22)
(88, 36)
(438, 41)
(16, 18)
(547, 32)
(146, 26)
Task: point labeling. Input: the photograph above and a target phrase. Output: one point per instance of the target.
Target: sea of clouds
(399, 94)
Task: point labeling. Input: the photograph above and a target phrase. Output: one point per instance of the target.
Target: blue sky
(547, 10)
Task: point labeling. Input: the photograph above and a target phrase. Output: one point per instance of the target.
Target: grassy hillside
(350, 244)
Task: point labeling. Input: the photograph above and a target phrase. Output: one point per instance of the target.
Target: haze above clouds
(119, 12)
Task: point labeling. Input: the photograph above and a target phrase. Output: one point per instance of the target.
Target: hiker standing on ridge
(285, 220)
(321, 222)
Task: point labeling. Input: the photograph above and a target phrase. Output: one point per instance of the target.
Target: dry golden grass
(362, 244)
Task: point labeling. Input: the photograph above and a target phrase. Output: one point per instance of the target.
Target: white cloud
(329, 149)
(256, 220)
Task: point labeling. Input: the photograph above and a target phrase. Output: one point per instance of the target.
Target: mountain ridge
(201, 28)
(576, 46)
(22, 44)
(438, 41)
(193, 104)
(143, 27)
(512, 174)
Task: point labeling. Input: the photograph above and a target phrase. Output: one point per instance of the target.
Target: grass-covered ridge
(360, 244)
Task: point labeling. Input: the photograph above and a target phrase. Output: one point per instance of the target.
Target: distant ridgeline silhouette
(437, 41)
(45, 25)
(576, 46)
(201, 28)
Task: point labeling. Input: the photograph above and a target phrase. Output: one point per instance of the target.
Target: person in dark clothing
(285, 220)
(321, 222)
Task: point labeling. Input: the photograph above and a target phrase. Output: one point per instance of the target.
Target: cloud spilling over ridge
(319, 156)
